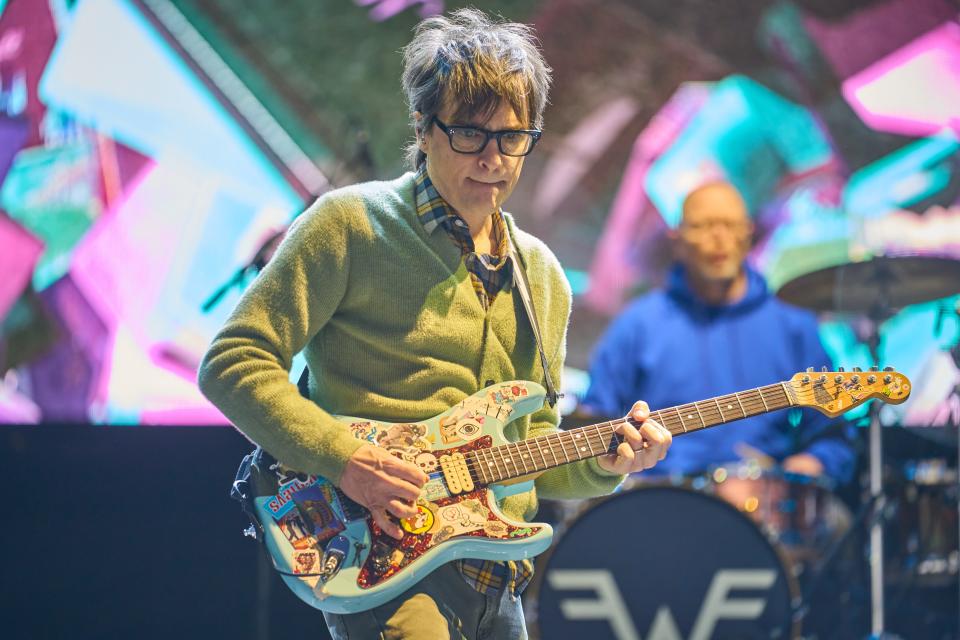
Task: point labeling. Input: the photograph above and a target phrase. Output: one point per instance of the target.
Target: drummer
(716, 329)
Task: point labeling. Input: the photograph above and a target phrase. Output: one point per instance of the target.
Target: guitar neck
(535, 455)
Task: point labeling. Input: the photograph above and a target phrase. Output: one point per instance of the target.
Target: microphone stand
(256, 263)
(264, 571)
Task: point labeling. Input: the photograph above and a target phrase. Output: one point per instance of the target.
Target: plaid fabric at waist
(490, 576)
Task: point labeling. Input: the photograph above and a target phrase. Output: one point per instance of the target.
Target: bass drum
(664, 563)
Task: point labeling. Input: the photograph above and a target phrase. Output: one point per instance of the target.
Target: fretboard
(535, 455)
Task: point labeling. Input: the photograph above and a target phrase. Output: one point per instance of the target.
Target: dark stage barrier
(115, 532)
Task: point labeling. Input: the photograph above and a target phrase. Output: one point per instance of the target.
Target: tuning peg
(809, 369)
(855, 379)
(823, 369)
(840, 369)
(888, 368)
(887, 379)
(874, 368)
(871, 379)
(838, 378)
(857, 369)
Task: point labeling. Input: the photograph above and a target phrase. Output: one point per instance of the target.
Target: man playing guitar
(403, 297)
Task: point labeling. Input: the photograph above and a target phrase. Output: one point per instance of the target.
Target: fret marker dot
(729, 406)
(690, 415)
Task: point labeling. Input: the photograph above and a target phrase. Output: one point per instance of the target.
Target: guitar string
(753, 403)
(564, 439)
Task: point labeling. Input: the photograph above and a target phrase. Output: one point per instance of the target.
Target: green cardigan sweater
(391, 330)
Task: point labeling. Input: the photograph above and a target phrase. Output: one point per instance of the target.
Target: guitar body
(458, 517)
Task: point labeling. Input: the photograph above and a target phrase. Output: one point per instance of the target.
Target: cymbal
(875, 286)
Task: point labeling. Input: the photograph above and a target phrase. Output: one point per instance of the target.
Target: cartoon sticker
(469, 429)
(469, 515)
(504, 394)
(448, 430)
(306, 561)
(434, 490)
(419, 523)
(495, 529)
(427, 462)
(315, 506)
(495, 405)
(364, 431)
(281, 503)
(296, 530)
(405, 440)
(445, 533)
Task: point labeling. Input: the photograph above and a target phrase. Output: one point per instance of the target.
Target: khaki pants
(439, 607)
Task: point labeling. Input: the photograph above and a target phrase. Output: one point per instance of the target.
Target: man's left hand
(641, 449)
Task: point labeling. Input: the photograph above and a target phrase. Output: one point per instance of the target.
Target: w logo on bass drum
(687, 566)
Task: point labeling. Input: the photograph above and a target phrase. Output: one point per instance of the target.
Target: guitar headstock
(835, 392)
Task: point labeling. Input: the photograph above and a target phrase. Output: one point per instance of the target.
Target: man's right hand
(384, 484)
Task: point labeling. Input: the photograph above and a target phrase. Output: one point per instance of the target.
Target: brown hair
(471, 63)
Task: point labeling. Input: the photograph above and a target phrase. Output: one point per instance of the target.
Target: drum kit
(750, 551)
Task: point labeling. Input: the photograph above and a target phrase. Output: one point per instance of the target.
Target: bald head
(714, 235)
(713, 200)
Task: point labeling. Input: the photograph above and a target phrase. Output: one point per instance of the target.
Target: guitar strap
(523, 288)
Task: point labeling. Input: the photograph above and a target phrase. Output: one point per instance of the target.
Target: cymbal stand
(880, 312)
(879, 502)
(873, 513)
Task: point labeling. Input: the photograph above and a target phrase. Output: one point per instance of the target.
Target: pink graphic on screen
(853, 44)
(21, 250)
(914, 91)
(633, 219)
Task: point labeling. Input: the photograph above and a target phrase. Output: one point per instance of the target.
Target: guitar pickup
(456, 473)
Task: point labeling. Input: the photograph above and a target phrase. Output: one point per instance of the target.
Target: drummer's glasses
(733, 227)
(511, 142)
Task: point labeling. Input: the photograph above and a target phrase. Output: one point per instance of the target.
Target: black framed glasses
(511, 142)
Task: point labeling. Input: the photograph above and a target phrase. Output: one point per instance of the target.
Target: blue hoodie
(670, 348)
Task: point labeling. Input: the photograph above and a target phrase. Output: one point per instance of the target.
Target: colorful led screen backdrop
(152, 152)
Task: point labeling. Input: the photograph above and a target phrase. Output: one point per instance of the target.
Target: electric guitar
(336, 558)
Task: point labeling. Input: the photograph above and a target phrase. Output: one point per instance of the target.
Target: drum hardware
(925, 537)
(876, 288)
(798, 512)
(873, 511)
(955, 354)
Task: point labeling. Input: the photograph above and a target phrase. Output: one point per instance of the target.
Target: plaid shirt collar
(494, 273)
